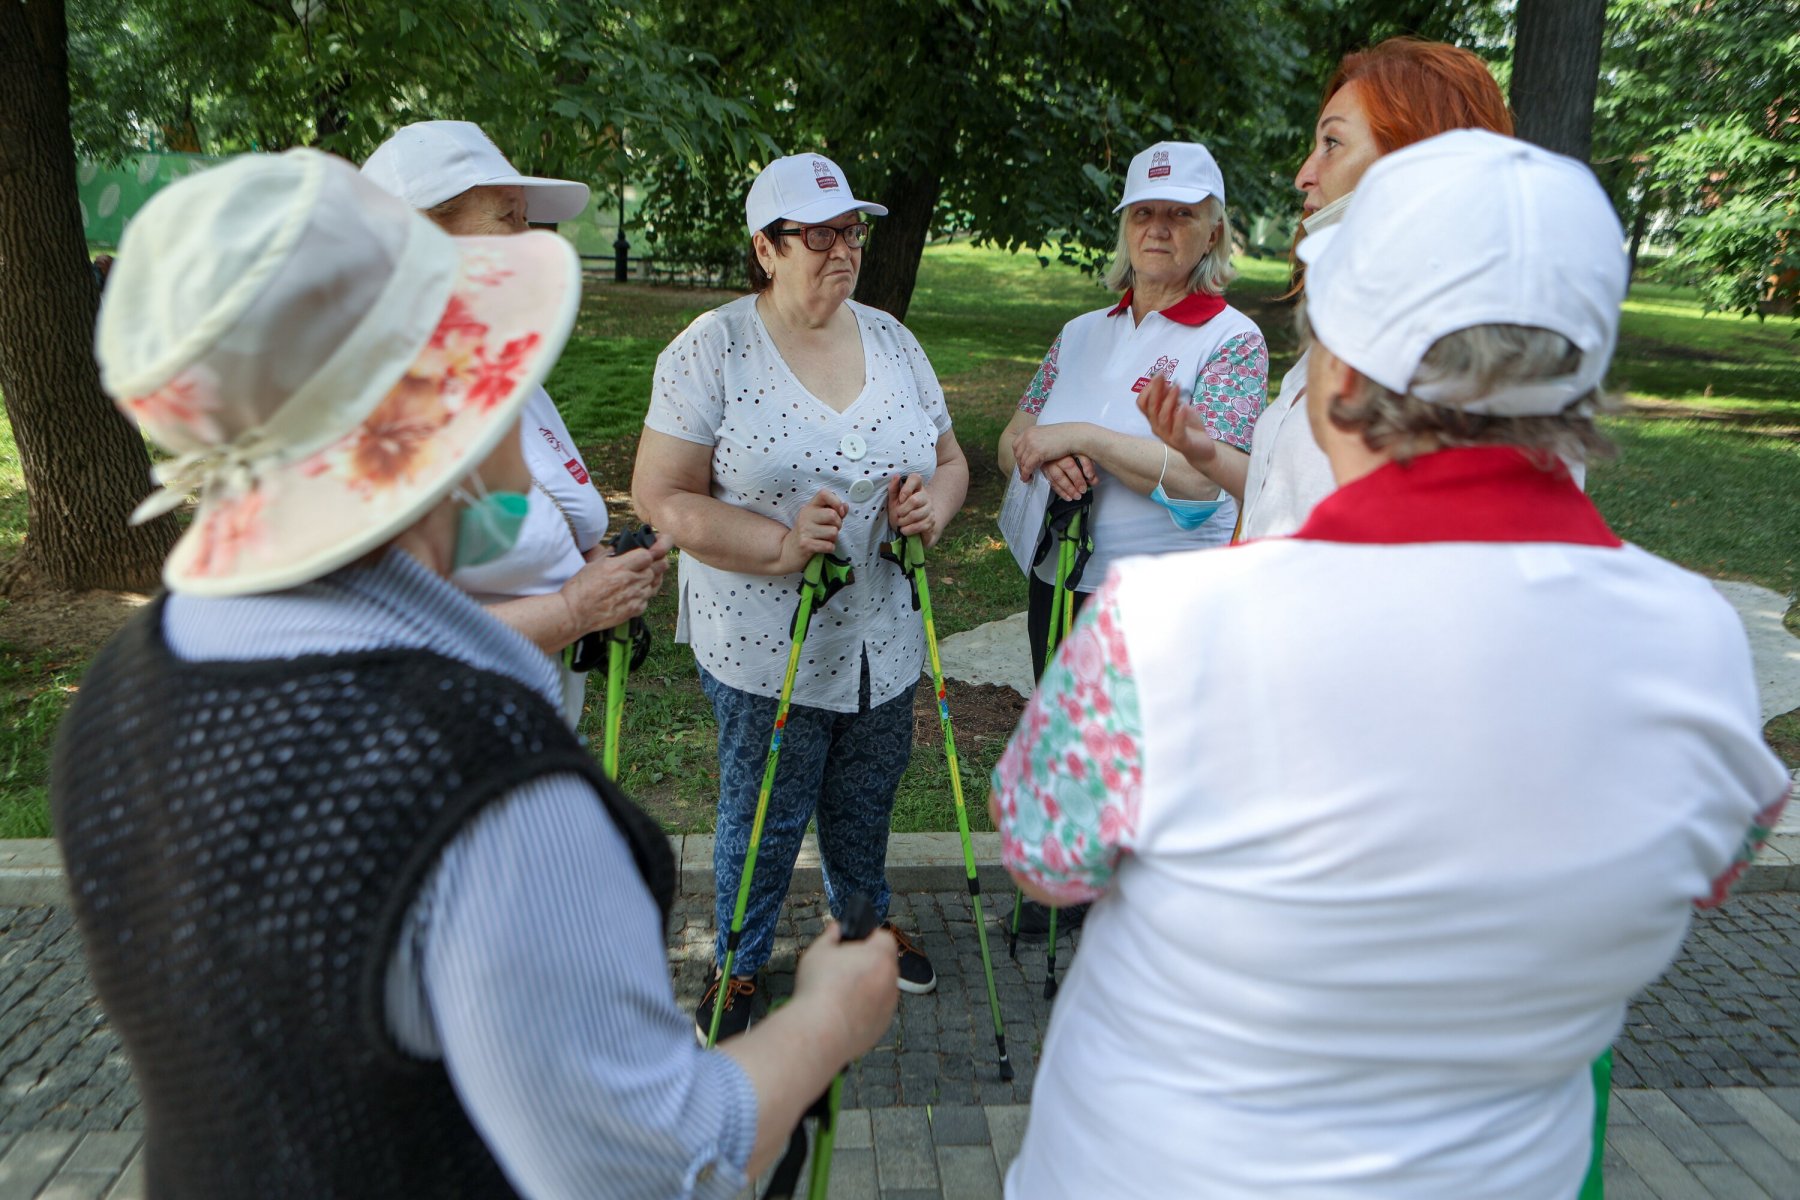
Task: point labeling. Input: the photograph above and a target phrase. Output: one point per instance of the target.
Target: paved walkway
(1708, 1075)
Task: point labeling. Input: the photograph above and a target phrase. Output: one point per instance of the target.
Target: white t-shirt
(567, 517)
(1407, 814)
(1104, 359)
(722, 383)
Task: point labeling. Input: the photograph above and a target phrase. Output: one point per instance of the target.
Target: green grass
(1708, 475)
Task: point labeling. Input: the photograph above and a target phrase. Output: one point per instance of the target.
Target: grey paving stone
(968, 1172)
(1761, 1161)
(1727, 1182)
(903, 1151)
(1706, 1106)
(853, 1132)
(131, 1184)
(77, 1185)
(30, 1162)
(1672, 1128)
(108, 1152)
(1006, 1122)
(1667, 1178)
(959, 1125)
(853, 1174)
(1768, 1118)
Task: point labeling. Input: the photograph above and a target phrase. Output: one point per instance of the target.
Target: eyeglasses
(823, 237)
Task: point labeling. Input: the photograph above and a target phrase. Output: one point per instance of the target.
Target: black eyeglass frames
(821, 238)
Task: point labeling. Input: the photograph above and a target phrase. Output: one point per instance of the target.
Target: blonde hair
(1212, 274)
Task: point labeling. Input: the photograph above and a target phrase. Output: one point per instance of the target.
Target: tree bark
(890, 266)
(85, 465)
(1556, 70)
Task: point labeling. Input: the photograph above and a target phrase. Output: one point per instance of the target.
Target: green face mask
(489, 525)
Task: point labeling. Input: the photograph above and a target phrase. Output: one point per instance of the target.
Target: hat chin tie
(230, 467)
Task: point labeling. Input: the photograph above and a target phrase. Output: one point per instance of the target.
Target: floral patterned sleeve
(1038, 390)
(1755, 838)
(1232, 388)
(1069, 784)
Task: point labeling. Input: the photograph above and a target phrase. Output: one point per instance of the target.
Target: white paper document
(1022, 516)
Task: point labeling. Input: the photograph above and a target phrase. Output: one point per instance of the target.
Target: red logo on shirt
(823, 177)
(1164, 366)
(1159, 164)
(577, 470)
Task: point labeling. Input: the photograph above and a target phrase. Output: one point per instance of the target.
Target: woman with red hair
(1380, 99)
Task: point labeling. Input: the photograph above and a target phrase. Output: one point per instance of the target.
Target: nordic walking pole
(627, 645)
(859, 923)
(1065, 565)
(618, 654)
(909, 552)
(823, 576)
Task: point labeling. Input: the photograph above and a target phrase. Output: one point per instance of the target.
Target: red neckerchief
(1477, 494)
(1195, 308)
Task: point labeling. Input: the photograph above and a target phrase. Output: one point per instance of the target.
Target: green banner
(111, 196)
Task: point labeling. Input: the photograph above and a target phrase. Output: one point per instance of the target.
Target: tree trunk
(891, 264)
(85, 466)
(1556, 69)
(1640, 224)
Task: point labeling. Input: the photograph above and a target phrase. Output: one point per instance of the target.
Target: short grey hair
(1475, 362)
(1212, 274)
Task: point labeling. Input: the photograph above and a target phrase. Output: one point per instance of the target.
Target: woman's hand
(1059, 452)
(1177, 424)
(909, 508)
(815, 531)
(610, 590)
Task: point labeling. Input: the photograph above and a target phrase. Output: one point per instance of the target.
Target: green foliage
(1697, 125)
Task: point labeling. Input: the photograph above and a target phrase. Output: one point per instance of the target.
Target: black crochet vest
(243, 842)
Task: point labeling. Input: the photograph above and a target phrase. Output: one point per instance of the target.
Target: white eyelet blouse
(722, 383)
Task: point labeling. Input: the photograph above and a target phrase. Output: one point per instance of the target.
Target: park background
(997, 133)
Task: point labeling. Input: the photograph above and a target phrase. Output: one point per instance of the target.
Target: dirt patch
(65, 621)
(979, 714)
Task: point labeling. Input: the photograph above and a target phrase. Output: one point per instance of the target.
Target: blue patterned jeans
(842, 768)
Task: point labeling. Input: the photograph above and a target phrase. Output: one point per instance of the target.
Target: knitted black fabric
(243, 842)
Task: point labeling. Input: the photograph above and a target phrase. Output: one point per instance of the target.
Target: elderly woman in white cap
(789, 423)
(1481, 758)
(368, 919)
(1078, 424)
(559, 582)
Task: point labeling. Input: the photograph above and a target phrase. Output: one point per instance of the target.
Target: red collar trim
(1195, 308)
(1478, 494)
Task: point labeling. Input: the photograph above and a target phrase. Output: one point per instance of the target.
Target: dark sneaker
(916, 975)
(1034, 920)
(740, 998)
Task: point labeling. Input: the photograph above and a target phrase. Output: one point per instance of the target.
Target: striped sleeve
(546, 976)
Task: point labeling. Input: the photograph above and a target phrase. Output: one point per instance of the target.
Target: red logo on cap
(577, 470)
(1159, 163)
(823, 177)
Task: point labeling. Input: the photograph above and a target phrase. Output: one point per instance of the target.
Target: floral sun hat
(324, 363)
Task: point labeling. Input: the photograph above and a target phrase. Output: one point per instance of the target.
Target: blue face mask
(489, 525)
(1188, 515)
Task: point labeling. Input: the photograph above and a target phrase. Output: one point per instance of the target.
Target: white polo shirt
(1103, 360)
(1388, 821)
(722, 383)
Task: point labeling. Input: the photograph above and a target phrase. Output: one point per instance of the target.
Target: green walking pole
(1594, 1186)
(909, 552)
(1065, 570)
(824, 575)
(627, 646)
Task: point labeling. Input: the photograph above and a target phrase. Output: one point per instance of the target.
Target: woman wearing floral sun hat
(559, 582)
(368, 919)
(790, 423)
(1485, 757)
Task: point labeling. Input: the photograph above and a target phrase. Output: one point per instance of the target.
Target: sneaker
(916, 975)
(740, 998)
(1034, 921)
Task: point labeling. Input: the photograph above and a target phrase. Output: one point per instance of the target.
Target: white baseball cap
(1180, 171)
(1470, 228)
(804, 188)
(429, 162)
(322, 362)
